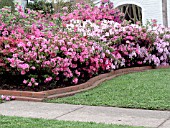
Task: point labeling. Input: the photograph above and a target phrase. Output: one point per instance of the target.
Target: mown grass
(147, 90)
(17, 122)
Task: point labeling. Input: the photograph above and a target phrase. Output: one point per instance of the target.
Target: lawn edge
(69, 91)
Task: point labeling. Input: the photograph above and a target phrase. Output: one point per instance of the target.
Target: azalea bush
(62, 57)
(20, 24)
(86, 12)
(161, 47)
(40, 5)
(50, 7)
(40, 52)
(9, 3)
(132, 43)
(46, 51)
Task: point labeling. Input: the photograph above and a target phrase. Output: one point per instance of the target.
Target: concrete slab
(36, 109)
(110, 115)
(166, 124)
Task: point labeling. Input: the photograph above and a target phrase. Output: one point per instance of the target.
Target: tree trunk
(164, 12)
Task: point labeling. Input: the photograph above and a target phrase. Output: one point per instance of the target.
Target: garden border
(68, 91)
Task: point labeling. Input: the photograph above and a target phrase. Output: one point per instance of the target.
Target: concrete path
(108, 115)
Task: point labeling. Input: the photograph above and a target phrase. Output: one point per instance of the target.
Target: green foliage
(60, 4)
(18, 122)
(43, 6)
(47, 7)
(9, 3)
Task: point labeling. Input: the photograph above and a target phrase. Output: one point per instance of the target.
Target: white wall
(168, 7)
(151, 9)
(21, 2)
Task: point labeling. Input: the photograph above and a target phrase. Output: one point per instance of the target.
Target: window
(132, 12)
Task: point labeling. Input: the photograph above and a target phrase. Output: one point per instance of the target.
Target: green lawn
(17, 122)
(148, 90)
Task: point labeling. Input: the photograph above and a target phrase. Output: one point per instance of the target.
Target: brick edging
(67, 91)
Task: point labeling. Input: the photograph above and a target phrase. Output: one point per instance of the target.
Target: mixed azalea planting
(46, 51)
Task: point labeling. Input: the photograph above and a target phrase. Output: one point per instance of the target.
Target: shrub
(39, 53)
(9, 3)
(62, 57)
(62, 6)
(160, 54)
(35, 50)
(40, 5)
(130, 43)
(135, 45)
(86, 12)
(51, 7)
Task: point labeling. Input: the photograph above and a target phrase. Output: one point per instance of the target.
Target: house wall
(21, 2)
(168, 7)
(151, 9)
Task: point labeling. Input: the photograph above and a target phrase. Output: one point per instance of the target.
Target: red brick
(16, 93)
(39, 95)
(92, 80)
(5, 92)
(50, 92)
(81, 87)
(146, 67)
(74, 88)
(63, 90)
(26, 94)
(67, 89)
(118, 71)
(136, 69)
(28, 99)
(112, 73)
(159, 67)
(126, 69)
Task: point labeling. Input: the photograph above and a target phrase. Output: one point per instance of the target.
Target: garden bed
(68, 91)
(12, 82)
(44, 56)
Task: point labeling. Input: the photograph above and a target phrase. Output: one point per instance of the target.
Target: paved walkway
(134, 117)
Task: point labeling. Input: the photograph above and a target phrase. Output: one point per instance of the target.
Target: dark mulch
(13, 82)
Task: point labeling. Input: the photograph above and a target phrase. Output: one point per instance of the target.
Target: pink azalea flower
(23, 72)
(8, 98)
(36, 84)
(25, 81)
(12, 97)
(33, 68)
(3, 97)
(29, 84)
(32, 80)
(75, 80)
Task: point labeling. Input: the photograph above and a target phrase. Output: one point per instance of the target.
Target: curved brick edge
(68, 91)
